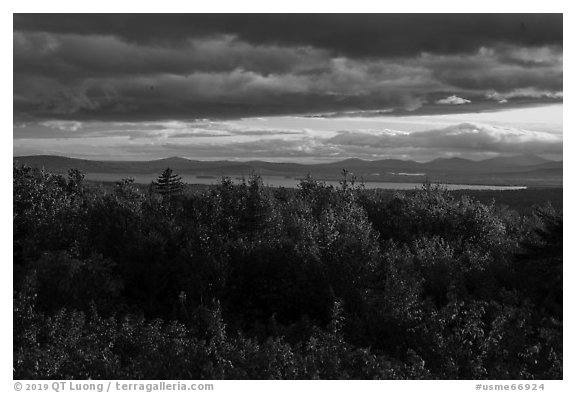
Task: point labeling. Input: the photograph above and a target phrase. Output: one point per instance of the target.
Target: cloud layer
(156, 85)
(465, 137)
(135, 67)
(207, 139)
(350, 35)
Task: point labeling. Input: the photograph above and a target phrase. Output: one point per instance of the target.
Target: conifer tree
(168, 183)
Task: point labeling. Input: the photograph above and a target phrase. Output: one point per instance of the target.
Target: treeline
(244, 281)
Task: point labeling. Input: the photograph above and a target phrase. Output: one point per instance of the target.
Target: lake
(280, 181)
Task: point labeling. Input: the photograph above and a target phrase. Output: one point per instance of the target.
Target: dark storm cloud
(235, 94)
(154, 67)
(502, 68)
(352, 35)
(76, 56)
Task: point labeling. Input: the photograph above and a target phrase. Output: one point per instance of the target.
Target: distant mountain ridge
(523, 168)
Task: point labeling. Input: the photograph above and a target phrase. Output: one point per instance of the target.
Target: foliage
(241, 281)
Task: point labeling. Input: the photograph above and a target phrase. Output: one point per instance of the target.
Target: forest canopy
(243, 281)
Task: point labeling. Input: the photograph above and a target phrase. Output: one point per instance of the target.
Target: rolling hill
(526, 169)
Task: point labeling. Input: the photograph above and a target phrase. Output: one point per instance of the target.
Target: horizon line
(289, 162)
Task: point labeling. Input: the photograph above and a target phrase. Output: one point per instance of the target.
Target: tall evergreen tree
(168, 183)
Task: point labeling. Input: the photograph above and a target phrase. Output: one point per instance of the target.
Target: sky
(288, 87)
